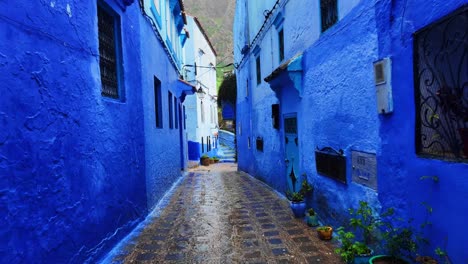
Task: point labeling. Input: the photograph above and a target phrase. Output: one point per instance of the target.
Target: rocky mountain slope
(216, 16)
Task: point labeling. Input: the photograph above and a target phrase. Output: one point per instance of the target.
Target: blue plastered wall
(77, 170)
(337, 108)
(162, 145)
(399, 167)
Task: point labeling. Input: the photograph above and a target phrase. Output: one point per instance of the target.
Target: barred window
(170, 107)
(329, 13)
(109, 50)
(441, 87)
(258, 70)
(157, 103)
(176, 115)
(281, 44)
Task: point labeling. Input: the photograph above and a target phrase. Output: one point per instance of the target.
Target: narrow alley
(219, 215)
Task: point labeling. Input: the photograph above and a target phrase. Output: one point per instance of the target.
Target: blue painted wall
(400, 167)
(337, 109)
(77, 170)
(162, 146)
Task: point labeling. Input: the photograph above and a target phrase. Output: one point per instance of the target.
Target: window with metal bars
(281, 44)
(157, 103)
(109, 51)
(258, 70)
(328, 13)
(185, 118)
(170, 107)
(441, 87)
(176, 114)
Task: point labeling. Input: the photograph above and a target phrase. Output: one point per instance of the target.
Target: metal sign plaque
(364, 168)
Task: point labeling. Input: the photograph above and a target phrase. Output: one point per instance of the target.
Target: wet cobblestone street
(218, 215)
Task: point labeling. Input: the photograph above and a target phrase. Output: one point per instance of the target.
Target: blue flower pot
(298, 208)
(312, 220)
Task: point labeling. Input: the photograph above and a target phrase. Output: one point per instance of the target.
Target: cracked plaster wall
(74, 169)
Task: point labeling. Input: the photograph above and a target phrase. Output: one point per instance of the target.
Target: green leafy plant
(364, 221)
(443, 256)
(311, 211)
(295, 196)
(346, 250)
(306, 189)
(401, 240)
(323, 228)
(204, 156)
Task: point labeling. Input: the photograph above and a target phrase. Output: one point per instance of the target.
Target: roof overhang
(185, 88)
(288, 74)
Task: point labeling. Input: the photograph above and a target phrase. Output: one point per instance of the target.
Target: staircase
(226, 154)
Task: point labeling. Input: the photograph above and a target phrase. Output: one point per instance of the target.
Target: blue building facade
(92, 123)
(317, 77)
(202, 110)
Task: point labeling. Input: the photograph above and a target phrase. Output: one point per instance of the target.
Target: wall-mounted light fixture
(200, 93)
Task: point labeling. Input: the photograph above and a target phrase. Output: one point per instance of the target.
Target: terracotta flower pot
(205, 161)
(325, 232)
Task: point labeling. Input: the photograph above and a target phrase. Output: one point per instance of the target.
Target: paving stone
(268, 226)
(308, 249)
(146, 256)
(176, 256)
(256, 254)
(279, 251)
(301, 239)
(150, 247)
(271, 233)
(295, 231)
(275, 241)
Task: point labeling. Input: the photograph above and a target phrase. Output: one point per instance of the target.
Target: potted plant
(311, 218)
(298, 205)
(215, 159)
(211, 161)
(205, 160)
(364, 222)
(325, 232)
(400, 242)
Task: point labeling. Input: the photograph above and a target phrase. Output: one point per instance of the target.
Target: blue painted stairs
(226, 154)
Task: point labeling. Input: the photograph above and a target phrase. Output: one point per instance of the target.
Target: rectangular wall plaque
(364, 168)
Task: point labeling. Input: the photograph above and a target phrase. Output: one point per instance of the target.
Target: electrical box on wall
(383, 85)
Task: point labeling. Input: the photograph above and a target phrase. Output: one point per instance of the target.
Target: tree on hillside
(228, 91)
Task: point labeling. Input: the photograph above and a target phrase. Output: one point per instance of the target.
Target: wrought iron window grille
(109, 50)
(441, 87)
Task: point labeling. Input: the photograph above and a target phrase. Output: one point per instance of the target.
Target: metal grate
(108, 53)
(441, 87)
(329, 13)
(331, 163)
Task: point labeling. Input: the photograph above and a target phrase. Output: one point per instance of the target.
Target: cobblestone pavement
(218, 215)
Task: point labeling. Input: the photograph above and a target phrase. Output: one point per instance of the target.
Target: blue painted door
(291, 153)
